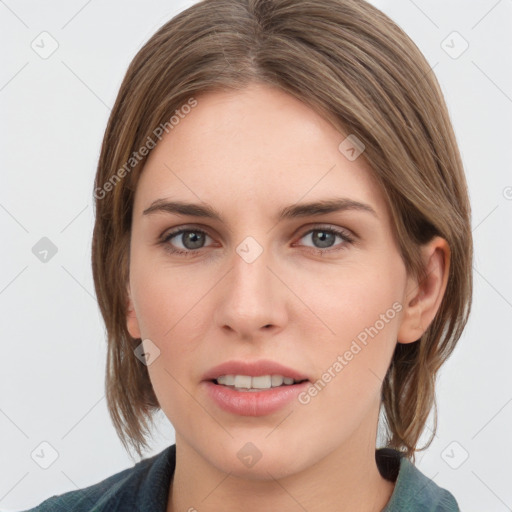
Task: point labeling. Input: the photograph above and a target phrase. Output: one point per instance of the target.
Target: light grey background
(54, 113)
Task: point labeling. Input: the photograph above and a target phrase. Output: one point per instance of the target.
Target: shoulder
(413, 490)
(146, 484)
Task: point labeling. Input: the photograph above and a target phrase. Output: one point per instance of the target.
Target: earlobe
(423, 298)
(132, 324)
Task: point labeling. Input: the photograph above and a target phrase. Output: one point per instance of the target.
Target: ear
(132, 324)
(423, 297)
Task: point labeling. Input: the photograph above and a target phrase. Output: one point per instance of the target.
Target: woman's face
(318, 292)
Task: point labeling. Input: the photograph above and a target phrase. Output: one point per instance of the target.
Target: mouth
(248, 383)
(253, 388)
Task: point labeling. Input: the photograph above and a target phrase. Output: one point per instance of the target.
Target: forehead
(255, 149)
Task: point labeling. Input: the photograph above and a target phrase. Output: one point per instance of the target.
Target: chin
(260, 460)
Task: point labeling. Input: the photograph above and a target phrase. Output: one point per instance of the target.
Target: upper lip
(253, 369)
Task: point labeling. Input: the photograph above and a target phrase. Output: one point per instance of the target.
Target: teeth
(243, 381)
(260, 382)
(277, 380)
(227, 380)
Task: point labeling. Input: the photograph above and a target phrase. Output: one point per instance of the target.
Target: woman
(282, 251)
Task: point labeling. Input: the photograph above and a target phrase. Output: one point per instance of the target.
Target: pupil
(327, 235)
(194, 238)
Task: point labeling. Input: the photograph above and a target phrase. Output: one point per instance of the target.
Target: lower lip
(253, 403)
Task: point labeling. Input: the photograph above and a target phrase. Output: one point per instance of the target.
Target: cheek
(167, 308)
(354, 300)
(167, 297)
(362, 310)
(171, 307)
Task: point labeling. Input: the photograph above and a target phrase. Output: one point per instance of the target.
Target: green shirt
(145, 488)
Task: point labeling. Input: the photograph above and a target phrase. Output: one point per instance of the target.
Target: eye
(190, 239)
(325, 237)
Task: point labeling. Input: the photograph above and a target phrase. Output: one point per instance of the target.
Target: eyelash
(347, 239)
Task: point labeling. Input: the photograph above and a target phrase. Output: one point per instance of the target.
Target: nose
(252, 298)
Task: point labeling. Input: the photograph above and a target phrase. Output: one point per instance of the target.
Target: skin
(248, 154)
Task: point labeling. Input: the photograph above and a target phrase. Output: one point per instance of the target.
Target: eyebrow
(289, 212)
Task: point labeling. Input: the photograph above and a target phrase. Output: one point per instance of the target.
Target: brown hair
(352, 64)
